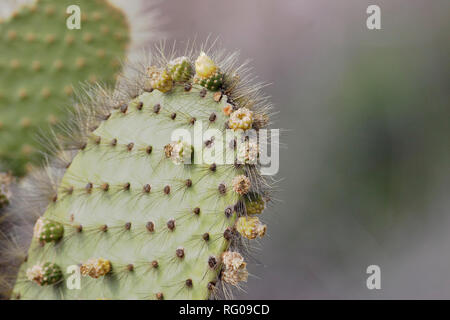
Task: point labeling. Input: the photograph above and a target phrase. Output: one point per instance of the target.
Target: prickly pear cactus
(41, 60)
(140, 212)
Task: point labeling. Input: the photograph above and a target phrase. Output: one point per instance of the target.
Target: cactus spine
(140, 216)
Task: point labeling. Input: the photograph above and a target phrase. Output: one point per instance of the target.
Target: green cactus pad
(41, 62)
(141, 219)
(213, 83)
(151, 209)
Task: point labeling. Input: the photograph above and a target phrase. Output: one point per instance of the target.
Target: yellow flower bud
(241, 119)
(251, 227)
(204, 66)
(95, 268)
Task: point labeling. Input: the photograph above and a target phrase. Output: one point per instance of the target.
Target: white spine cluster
(35, 273)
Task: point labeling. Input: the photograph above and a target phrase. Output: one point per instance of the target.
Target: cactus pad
(41, 62)
(145, 216)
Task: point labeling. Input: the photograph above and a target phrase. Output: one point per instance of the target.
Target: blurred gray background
(365, 172)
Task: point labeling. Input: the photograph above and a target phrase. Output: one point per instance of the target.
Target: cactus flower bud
(254, 204)
(251, 227)
(48, 231)
(241, 184)
(241, 119)
(46, 274)
(204, 66)
(160, 79)
(235, 269)
(95, 268)
(180, 69)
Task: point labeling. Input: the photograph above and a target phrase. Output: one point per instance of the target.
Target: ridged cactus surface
(42, 60)
(137, 210)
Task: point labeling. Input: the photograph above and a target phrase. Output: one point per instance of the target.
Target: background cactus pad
(41, 60)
